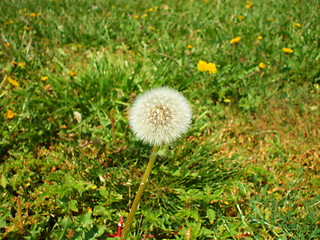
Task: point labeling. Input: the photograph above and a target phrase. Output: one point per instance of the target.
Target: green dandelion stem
(140, 191)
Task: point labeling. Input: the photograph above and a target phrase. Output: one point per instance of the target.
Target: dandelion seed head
(160, 115)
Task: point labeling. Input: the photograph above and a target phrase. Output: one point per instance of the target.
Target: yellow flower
(259, 37)
(33, 14)
(287, 50)
(136, 16)
(262, 65)
(165, 7)
(13, 82)
(240, 18)
(152, 28)
(43, 78)
(8, 44)
(202, 66)
(297, 24)
(48, 88)
(72, 74)
(189, 46)
(21, 64)
(13, 63)
(39, 14)
(271, 19)
(9, 114)
(249, 4)
(27, 28)
(235, 40)
(9, 22)
(212, 68)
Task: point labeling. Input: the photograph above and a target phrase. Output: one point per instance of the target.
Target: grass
(247, 169)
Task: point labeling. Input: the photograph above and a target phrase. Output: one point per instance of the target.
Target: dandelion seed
(287, 50)
(235, 40)
(160, 115)
(212, 68)
(9, 114)
(202, 66)
(262, 65)
(77, 116)
(13, 82)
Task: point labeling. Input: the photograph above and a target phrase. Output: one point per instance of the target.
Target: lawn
(248, 167)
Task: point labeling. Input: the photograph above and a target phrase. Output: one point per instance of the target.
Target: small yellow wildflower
(33, 14)
(13, 63)
(249, 4)
(144, 15)
(21, 64)
(271, 19)
(165, 7)
(240, 18)
(189, 46)
(72, 74)
(297, 24)
(202, 66)
(235, 40)
(8, 44)
(9, 114)
(287, 50)
(259, 37)
(136, 16)
(43, 78)
(27, 28)
(262, 65)
(39, 14)
(152, 28)
(9, 22)
(13, 82)
(48, 88)
(212, 68)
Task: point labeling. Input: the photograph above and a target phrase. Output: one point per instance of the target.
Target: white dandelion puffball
(160, 116)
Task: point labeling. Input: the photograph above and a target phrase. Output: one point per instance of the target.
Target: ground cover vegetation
(248, 168)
